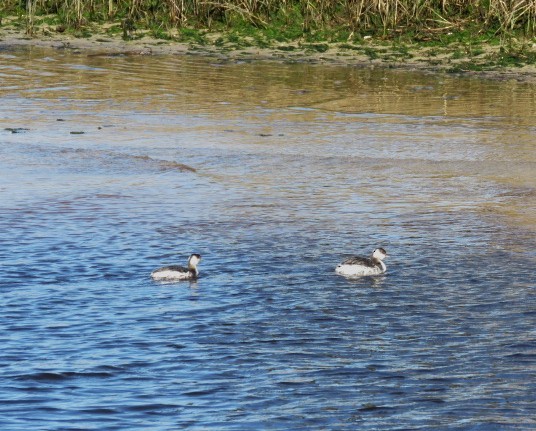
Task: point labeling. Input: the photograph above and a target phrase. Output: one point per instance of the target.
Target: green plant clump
(313, 21)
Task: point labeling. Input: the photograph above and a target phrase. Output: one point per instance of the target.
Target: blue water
(274, 179)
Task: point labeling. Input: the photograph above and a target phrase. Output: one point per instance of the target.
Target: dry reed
(504, 17)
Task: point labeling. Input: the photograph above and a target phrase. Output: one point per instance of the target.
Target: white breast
(170, 275)
(359, 270)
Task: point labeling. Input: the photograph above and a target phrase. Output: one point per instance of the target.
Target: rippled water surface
(113, 166)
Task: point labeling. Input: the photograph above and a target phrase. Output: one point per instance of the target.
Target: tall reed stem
(505, 17)
(30, 16)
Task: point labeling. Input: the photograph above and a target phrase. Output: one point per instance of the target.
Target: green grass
(315, 47)
(371, 53)
(160, 33)
(457, 54)
(457, 29)
(286, 48)
(326, 20)
(192, 35)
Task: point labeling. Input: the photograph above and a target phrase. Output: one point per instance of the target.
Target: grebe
(176, 272)
(361, 266)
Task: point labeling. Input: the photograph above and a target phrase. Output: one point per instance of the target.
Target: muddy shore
(420, 58)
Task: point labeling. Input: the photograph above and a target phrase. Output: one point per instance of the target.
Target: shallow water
(274, 173)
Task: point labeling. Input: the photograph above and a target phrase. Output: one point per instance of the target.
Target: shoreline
(419, 59)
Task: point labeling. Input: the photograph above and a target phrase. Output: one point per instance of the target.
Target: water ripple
(268, 337)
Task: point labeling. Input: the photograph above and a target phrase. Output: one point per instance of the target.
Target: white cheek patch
(379, 255)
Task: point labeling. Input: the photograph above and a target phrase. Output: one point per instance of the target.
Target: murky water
(274, 173)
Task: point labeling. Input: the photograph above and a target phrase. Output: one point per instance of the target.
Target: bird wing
(356, 260)
(173, 268)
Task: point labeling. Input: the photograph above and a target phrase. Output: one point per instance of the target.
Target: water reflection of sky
(296, 167)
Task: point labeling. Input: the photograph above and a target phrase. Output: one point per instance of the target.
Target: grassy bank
(473, 34)
(293, 18)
